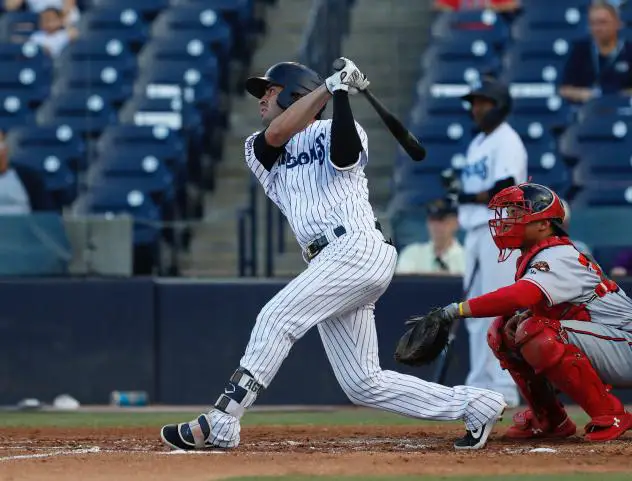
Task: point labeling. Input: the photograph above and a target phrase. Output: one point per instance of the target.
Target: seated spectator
(22, 189)
(68, 7)
(443, 254)
(497, 5)
(52, 35)
(579, 245)
(601, 64)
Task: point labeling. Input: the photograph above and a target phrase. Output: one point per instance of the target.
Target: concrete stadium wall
(179, 340)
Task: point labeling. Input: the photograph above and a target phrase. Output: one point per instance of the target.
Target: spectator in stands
(601, 64)
(22, 190)
(68, 7)
(497, 5)
(53, 36)
(443, 254)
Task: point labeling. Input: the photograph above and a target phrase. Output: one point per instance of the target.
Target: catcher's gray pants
(609, 350)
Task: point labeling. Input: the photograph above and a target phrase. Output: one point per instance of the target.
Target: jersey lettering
(478, 169)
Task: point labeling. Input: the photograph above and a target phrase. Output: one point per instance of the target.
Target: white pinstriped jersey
(564, 275)
(313, 194)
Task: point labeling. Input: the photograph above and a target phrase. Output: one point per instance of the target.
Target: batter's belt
(318, 244)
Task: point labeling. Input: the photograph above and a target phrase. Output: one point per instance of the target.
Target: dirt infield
(137, 454)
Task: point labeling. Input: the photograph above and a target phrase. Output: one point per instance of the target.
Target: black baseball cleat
(188, 436)
(477, 439)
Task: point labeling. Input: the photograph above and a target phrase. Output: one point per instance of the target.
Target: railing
(322, 43)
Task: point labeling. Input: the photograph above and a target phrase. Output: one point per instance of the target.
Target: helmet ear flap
(285, 99)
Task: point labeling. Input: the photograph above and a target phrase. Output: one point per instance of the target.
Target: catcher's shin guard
(543, 345)
(546, 416)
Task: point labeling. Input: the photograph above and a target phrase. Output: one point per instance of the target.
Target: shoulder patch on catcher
(542, 266)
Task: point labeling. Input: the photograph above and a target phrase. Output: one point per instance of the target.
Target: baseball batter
(313, 170)
(573, 329)
(495, 159)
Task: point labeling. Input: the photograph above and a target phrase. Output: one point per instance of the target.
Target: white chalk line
(52, 454)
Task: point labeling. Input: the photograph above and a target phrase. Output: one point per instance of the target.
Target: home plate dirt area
(55, 453)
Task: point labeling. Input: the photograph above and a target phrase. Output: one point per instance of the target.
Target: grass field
(346, 445)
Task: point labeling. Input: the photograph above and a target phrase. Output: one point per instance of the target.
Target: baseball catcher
(563, 325)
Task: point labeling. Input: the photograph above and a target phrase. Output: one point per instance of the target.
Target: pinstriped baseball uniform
(568, 278)
(338, 290)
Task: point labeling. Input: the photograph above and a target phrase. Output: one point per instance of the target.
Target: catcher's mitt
(425, 340)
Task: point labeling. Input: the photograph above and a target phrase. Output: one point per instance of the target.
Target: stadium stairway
(388, 52)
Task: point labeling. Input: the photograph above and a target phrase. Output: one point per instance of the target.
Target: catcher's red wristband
(506, 300)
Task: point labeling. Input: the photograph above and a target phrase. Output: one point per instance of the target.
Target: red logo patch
(541, 266)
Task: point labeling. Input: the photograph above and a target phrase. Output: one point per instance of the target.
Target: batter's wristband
(461, 309)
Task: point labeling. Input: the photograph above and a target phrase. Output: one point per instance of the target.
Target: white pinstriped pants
(337, 293)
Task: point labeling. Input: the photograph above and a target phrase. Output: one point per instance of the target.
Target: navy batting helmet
(497, 92)
(296, 79)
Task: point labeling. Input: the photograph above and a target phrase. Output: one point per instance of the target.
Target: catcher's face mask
(517, 206)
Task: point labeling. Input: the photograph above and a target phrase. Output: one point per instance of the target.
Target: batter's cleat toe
(188, 436)
(477, 439)
(609, 427)
(527, 426)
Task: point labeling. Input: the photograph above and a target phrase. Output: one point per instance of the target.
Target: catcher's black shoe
(477, 439)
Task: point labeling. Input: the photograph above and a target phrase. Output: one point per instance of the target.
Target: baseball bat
(404, 137)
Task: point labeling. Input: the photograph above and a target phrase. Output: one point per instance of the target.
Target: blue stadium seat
(145, 173)
(535, 71)
(449, 51)
(440, 157)
(60, 141)
(536, 49)
(454, 73)
(14, 112)
(96, 47)
(564, 20)
(195, 73)
(17, 27)
(87, 115)
(443, 130)
(147, 8)
(181, 25)
(25, 82)
(547, 168)
(118, 199)
(172, 113)
(594, 133)
(125, 68)
(56, 171)
(124, 18)
(238, 13)
(133, 38)
(608, 105)
(626, 14)
(553, 112)
(604, 194)
(27, 54)
(532, 130)
(609, 163)
(487, 21)
(169, 141)
(543, 4)
(524, 34)
(76, 78)
(442, 105)
(496, 38)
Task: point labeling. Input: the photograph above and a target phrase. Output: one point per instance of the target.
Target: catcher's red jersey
(575, 288)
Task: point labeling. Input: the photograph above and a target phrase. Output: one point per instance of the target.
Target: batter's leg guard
(544, 346)
(220, 427)
(546, 416)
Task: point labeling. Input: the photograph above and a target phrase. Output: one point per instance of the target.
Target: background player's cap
(439, 209)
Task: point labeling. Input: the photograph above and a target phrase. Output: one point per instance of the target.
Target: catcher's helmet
(296, 79)
(498, 93)
(519, 205)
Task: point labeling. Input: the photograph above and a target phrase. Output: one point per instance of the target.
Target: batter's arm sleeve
(345, 144)
(265, 153)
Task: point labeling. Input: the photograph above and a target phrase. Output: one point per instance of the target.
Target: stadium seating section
(133, 110)
(584, 153)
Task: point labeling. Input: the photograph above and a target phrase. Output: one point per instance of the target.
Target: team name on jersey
(316, 153)
(477, 169)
